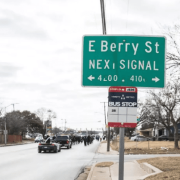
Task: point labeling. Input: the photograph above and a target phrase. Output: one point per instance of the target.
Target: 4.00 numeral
(109, 78)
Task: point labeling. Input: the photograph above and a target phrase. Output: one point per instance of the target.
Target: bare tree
(152, 114)
(173, 51)
(56, 130)
(165, 105)
(42, 114)
(45, 114)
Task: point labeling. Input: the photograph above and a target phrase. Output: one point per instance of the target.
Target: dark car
(64, 141)
(171, 138)
(49, 147)
(163, 138)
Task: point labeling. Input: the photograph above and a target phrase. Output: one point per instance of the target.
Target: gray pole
(121, 154)
(14, 106)
(65, 124)
(108, 131)
(104, 32)
(5, 136)
(108, 139)
(104, 112)
(103, 17)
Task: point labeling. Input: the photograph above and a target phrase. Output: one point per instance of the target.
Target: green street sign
(123, 61)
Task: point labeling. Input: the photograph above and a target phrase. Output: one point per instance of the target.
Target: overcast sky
(41, 48)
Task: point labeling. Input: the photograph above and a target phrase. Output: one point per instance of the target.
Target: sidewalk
(15, 144)
(103, 149)
(132, 170)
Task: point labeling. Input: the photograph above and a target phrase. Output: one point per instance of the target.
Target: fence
(14, 138)
(129, 144)
(11, 139)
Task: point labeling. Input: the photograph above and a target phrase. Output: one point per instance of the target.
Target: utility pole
(104, 111)
(104, 33)
(13, 106)
(5, 134)
(103, 17)
(108, 131)
(5, 130)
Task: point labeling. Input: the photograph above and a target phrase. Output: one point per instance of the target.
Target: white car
(38, 139)
(27, 136)
(139, 138)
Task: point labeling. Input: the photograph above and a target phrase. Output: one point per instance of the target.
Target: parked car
(153, 138)
(64, 141)
(139, 138)
(163, 138)
(27, 136)
(38, 139)
(171, 138)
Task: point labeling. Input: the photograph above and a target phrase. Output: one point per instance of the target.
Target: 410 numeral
(137, 78)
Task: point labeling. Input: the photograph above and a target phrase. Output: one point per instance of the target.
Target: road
(23, 162)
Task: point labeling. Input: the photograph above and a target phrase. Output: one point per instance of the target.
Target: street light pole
(65, 124)
(62, 124)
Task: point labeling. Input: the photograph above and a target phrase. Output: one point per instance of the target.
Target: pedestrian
(85, 139)
(88, 140)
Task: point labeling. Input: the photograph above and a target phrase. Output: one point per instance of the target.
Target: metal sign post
(121, 154)
(122, 113)
(108, 138)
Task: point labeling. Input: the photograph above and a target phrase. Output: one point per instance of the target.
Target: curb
(91, 172)
(14, 144)
(92, 169)
(151, 170)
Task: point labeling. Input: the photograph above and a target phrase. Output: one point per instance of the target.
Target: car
(27, 136)
(163, 138)
(49, 146)
(171, 138)
(139, 138)
(38, 139)
(64, 140)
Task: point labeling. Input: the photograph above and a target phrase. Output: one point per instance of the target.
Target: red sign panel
(125, 125)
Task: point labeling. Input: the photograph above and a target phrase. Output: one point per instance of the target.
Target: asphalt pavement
(24, 162)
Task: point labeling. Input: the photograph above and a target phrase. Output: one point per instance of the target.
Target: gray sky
(41, 48)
